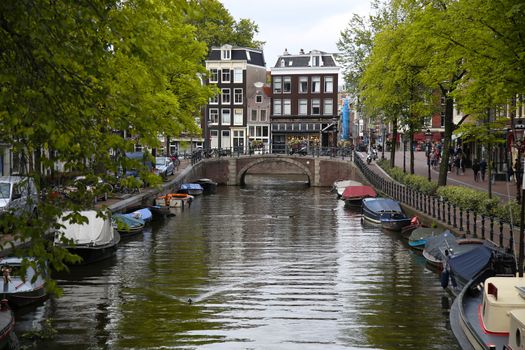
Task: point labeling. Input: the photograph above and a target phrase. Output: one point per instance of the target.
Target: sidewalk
(504, 189)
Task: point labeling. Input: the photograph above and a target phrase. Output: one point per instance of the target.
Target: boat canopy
(358, 192)
(382, 205)
(191, 186)
(97, 231)
(469, 264)
(127, 220)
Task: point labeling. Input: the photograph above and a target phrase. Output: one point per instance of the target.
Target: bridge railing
(462, 221)
(331, 152)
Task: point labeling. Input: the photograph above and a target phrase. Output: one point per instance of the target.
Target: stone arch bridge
(320, 171)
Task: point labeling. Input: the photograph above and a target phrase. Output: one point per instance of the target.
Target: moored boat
(93, 241)
(418, 237)
(394, 221)
(127, 225)
(483, 314)
(209, 186)
(174, 200)
(339, 186)
(436, 248)
(7, 324)
(143, 214)
(193, 189)
(385, 211)
(353, 195)
(21, 290)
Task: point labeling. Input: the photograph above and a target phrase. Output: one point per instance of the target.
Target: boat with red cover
(353, 195)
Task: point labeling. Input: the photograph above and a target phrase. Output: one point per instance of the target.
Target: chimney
(301, 52)
(285, 52)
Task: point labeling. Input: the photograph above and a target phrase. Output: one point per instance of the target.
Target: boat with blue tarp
(193, 189)
(385, 211)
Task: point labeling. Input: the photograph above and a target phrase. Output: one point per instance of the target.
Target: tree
(73, 74)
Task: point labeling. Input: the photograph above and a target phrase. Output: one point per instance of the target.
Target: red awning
(358, 192)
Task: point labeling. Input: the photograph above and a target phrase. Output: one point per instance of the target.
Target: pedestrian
(475, 169)
(483, 168)
(510, 173)
(457, 163)
(463, 160)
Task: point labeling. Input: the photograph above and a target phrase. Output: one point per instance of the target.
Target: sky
(297, 24)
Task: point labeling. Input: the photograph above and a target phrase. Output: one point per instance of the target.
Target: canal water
(272, 265)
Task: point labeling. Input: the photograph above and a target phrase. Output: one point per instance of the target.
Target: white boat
(174, 200)
(93, 241)
(22, 290)
(339, 186)
(194, 189)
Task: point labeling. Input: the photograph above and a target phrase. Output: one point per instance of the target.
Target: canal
(268, 266)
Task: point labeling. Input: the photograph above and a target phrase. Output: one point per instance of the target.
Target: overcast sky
(297, 24)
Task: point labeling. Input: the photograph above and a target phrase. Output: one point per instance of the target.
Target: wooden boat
(339, 186)
(488, 312)
(7, 324)
(191, 188)
(93, 241)
(418, 237)
(353, 195)
(127, 225)
(209, 186)
(174, 200)
(22, 290)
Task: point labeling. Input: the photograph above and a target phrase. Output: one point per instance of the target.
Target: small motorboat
(21, 290)
(193, 189)
(143, 214)
(209, 186)
(353, 195)
(174, 200)
(418, 237)
(127, 225)
(385, 211)
(436, 247)
(93, 241)
(339, 186)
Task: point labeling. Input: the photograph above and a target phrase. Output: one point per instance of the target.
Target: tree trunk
(411, 143)
(394, 142)
(449, 127)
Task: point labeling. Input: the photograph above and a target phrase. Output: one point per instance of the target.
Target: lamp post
(428, 139)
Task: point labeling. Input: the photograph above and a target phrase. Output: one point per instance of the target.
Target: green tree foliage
(74, 74)
(215, 26)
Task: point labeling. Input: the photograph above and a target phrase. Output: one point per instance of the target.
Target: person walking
(482, 168)
(475, 169)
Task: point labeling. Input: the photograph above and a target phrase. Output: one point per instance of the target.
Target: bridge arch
(306, 171)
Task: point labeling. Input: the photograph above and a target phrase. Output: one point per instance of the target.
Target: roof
(251, 56)
(303, 60)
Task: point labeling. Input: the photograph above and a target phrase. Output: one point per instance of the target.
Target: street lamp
(428, 139)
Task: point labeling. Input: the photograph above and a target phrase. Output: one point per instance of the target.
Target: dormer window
(226, 52)
(316, 61)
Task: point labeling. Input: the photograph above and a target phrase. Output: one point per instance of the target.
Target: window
(328, 108)
(214, 75)
(237, 116)
(303, 107)
(316, 107)
(214, 100)
(316, 84)
(237, 96)
(237, 75)
(226, 99)
(214, 133)
(329, 84)
(226, 117)
(303, 85)
(214, 116)
(258, 99)
(277, 85)
(225, 76)
(277, 104)
(287, 84)
(254, 115)
(287, 107)
(226, 54)
(316, 61)
(263, 115)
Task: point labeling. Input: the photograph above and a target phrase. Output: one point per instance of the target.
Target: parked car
(18, 194)
(164, 166)
(90, 183)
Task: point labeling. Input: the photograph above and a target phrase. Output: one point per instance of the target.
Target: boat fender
(444, 278)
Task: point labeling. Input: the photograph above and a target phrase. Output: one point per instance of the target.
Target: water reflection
(265, 267)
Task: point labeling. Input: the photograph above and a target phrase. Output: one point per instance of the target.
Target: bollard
(475, 229)
(483, 226)
(448, 205)
(468, 222)
(460, 219)
(491, 233)
(455, 216)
